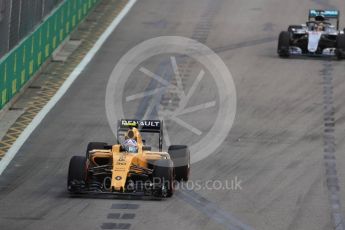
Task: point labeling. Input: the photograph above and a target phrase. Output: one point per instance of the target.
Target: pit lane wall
(24, 60)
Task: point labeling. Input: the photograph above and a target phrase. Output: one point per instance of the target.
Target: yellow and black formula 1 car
(111, 169)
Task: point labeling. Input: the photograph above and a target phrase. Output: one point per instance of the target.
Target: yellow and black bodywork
(110, 169)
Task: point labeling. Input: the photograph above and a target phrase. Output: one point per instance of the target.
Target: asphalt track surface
(276, 146)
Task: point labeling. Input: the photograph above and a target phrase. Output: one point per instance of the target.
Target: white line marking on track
(66, 85)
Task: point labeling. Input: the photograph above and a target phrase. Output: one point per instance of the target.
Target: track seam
(332, 180)
(211, 210)
(200, 34)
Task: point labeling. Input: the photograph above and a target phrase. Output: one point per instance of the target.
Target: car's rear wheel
(284, 44)
(95, 145)
(163, 178)
(180, 155)
(76, 173)
(340, 51)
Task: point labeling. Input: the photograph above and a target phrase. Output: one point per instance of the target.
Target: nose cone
(121, 166)
(313, 41)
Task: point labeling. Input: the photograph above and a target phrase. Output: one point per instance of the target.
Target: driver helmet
(130, 146)
(320, 27)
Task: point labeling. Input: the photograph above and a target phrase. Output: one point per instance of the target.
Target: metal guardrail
(26, 57)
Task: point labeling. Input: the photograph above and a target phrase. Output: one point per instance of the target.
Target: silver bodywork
(307, 30)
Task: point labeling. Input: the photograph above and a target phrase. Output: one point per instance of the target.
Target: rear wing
(144, 126)
(327, 14)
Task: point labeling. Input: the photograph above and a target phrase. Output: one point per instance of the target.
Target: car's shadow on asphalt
(68, 195)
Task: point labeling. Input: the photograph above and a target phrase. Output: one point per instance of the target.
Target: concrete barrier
(23, 61)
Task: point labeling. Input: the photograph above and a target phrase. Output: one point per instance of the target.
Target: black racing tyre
(340, 51)
(95, 145)
(180, 155)
(163, 174)
(76, 173)
(284, 44)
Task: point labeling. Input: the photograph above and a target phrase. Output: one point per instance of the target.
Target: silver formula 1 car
(320, 36)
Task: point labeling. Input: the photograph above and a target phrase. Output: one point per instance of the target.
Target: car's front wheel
(340, 51)
(76, 174)
(163, 178)
(180, 155)
(284, 44)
